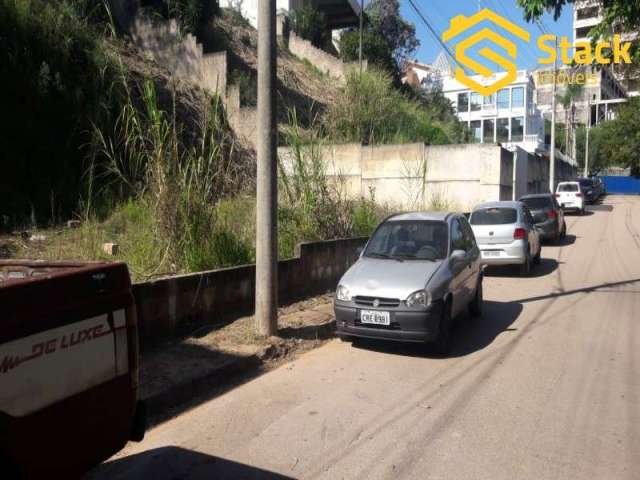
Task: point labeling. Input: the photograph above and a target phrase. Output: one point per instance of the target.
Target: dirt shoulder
(176, 376)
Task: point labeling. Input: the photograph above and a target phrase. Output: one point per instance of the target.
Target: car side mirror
(457, 255)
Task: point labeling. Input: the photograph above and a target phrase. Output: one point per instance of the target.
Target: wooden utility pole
(361, 32)
(552, 159)
(266, 313)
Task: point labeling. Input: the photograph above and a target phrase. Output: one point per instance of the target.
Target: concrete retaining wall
(181, 54)
(243, 120)
(416, 176)
(325, 62)
(167, 304)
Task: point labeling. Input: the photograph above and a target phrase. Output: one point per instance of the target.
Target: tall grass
(313, 205)
(154, 163)
(371, 110)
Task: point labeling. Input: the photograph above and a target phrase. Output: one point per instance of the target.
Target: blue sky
(440, 12)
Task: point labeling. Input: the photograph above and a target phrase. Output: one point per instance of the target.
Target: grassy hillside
(94, 130)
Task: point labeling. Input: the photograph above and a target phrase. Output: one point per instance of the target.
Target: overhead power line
(434, 32)
(530, 52)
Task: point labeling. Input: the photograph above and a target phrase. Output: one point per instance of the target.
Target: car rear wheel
(537, 258)
(475, 307)
(525, 268)
(443, 341)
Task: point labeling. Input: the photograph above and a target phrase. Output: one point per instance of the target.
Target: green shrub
(248, 85)
(56, 83)
(311, 24)
(194, 15)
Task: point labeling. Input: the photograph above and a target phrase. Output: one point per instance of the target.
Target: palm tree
(572, 92)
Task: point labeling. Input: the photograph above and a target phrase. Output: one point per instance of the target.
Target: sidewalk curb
(184, 392)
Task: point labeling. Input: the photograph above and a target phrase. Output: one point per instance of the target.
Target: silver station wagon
(417, 272)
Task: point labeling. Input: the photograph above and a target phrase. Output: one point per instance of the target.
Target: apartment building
(588, 14)
(595, 86)
(509, 117)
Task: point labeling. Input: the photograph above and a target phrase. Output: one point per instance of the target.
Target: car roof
(569, 181)
(537, 195)
(502, 204)
(433, 216)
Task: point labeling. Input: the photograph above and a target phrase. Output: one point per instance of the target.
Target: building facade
(588, 14)
(591, 87)
(509, 117)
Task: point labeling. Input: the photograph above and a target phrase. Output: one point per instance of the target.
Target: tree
(385, 18)
(388, 39)
(375, 49)
(598, 158)
(311, 24)
(621, 137)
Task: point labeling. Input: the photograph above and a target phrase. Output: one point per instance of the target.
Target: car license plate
(375, 317)
(491, 253)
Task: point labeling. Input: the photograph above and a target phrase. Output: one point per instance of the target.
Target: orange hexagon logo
(460, 24)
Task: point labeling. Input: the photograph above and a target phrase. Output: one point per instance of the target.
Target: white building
(509, 117)
(422, 75)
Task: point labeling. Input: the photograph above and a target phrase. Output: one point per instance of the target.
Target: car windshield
(537, 203)
(409, 239)
(586, 183)
(568, 187)
(494, 216)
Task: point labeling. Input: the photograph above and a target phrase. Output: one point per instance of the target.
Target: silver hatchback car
(507, 234)
(417, 272)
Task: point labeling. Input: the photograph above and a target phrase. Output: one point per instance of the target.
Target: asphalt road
(545, 386)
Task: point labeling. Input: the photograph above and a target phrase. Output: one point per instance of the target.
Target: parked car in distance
(506, 234)
(547, 215)
(570, 196)
(589, 189)
(601, 188)
(416, 274)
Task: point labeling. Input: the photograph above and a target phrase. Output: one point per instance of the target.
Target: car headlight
(421, 298)
(343, 294)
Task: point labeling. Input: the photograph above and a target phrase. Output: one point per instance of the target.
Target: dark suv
(589, 189)
(547, 215)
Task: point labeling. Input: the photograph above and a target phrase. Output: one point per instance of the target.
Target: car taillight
(552, 214)
(557, 195)
(519, 234)
(578, 194)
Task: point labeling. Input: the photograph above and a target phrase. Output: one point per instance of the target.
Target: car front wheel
(443, 341)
